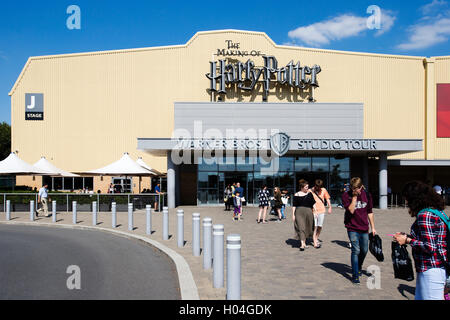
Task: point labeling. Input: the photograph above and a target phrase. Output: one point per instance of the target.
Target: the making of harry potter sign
(246, 74)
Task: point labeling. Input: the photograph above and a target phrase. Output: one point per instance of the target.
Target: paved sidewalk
(273, 268)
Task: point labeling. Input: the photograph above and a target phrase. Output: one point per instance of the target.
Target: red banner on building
(443, 110)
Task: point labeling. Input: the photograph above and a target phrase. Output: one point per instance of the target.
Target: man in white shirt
(43, 199)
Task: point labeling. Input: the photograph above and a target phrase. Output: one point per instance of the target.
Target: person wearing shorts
(322, 199)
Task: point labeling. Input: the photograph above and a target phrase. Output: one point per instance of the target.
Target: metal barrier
(20, 202)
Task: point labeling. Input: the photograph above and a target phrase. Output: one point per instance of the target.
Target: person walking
(322, 199)
(228, 198)
(157, 197)
(428, 239)
(240, 190)
(302, 215)
(43, 199)
(277, 202)
(285, 201)
(358, 215)
(263, 198)
(237, 202)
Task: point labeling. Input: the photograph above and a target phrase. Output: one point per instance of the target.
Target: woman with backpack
(428, 239)
(322, 199)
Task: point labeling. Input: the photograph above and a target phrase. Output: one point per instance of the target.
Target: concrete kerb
(188, 288)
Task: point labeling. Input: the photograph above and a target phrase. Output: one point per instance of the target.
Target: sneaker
(355, 280)
(279, 220)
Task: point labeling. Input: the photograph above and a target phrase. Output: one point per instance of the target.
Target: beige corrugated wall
(96, 105)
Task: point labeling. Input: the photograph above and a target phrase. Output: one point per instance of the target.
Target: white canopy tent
(141, 162)
(46, 165)
(125, 166)
(15, 166)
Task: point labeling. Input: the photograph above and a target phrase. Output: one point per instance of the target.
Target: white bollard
(114, 214)
(196, 234)
(207, 243)
(130, 217)
(148, 209)
(218, 267)
(8, 210)
(32, 210)
(165, 232)
(180, 229)
(54, 211)
(94, 213)
(234, 267)
(74, 212)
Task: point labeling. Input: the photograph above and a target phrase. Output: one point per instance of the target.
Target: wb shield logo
(279, 143)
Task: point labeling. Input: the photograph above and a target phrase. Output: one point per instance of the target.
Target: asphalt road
(34, 262)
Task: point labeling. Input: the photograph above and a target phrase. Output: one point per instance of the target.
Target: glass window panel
(207, 164)
(202, 196)
(286, 180)
(89, 183)
(265, 165)
(57, 183)
(213, 197)
(321, 164)
(244, 164)
(47, 180)
(339, 164)
(208, 180)
(227, 164)
(286, 164)
(78, 183)
(68, 183)
(338, 179)
(303, 164)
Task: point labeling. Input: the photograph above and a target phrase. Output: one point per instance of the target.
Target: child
(285, 200)
(237, 206)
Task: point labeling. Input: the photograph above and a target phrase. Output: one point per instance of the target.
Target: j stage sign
(246, 75)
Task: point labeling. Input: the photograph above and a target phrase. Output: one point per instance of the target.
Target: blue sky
(38, 27)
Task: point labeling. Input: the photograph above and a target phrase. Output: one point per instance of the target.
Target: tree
(5, 140)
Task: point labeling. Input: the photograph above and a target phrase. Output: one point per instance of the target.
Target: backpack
(446, 220)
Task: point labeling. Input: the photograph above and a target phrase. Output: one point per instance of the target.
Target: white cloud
(426, 35)
(431, 29)
(432, 6)
(387, 21)
(337, 28)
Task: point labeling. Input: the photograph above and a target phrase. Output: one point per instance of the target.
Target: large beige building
(327, 114)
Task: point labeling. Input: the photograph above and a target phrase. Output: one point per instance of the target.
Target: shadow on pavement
(343, 269)
(341, 243)
(402, 288)
(294, 243)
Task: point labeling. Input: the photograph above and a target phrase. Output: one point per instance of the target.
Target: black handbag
(376, 247)
(403, 268)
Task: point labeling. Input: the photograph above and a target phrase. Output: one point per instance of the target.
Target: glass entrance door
(237, 177)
